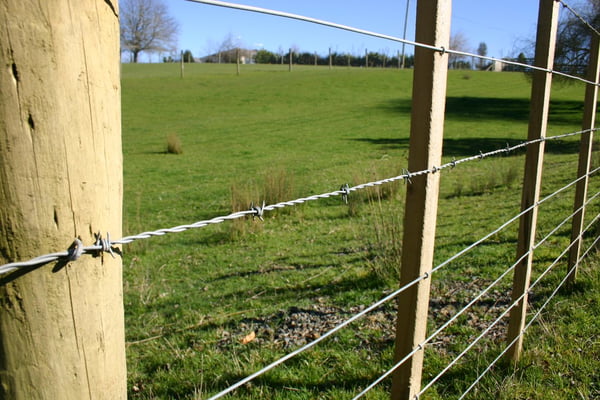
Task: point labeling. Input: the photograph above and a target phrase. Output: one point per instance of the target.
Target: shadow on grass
(488, 108)
(466, 147)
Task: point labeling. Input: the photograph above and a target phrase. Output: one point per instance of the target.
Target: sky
(502, 25)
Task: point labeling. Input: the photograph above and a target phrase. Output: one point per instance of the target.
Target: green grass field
(192, 298)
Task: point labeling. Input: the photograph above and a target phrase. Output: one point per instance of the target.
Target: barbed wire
(579, 16)
(392, 296)
(421, 345)
(442, 50)
(77, 249)
(533, 318)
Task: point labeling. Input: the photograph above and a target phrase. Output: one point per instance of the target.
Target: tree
(482, 51)
(147, 26)
(188, 57)
(459, 42)
(574, 38)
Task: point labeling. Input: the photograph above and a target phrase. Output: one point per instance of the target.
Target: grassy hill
(192, 298)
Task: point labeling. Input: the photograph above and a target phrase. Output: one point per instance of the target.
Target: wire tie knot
(105, 244)
(453, 163)
(481, 156)
(75, 250)
(258, 210)
(507, 148)
(434, 169)
(407, 176)
(345, 189)
(442, 50)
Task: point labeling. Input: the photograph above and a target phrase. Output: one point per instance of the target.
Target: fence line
(77, 249)
(535, 316)
(581, 18)
(442, 50)
(513, 304)
(473, 301)
(398, 291)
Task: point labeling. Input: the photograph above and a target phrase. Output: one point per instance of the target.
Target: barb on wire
(440, 49)
(579, 16)
(473, 301)
(258, 211)
(425, 275)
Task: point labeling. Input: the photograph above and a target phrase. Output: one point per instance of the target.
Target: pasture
(209, 306)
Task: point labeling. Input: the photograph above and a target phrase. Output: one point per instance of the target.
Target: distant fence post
(181, 62)
(62, 324)
(538, 119)
(426, 135)
(291, 56)
(585, 156)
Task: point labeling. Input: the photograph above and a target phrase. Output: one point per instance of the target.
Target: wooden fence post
(61, 325)
(585, 156)
(538, 118)
(291, 57)
(181, 62)
(426, 135)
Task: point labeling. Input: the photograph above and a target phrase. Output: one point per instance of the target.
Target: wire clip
(75, 250)
(258, 210)
(345, 189)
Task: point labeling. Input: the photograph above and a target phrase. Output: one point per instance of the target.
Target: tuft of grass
(174, 144)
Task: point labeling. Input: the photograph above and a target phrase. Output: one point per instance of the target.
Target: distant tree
(482, 51)
(265, 57)
(146, 26)
(230, 43)
(188, 57)
(574, 38)
(459, 42)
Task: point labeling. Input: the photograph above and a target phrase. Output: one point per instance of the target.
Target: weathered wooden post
(534, 159)
(61, 326)
(426, 134)
(291, 59)
(585, 157)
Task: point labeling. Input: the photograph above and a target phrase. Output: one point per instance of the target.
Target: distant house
(230, 56)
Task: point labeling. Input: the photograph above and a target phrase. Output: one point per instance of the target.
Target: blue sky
(500, 24)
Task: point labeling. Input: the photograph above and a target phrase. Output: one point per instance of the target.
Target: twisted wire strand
(471, 303)
(579, 16)
(533, 318)
(258, 211)
(386, 299)
(513, 304)
(442, 50)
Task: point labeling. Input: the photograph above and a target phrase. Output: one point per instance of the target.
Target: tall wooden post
(426, 135)
(61, 326)
(585, 157)
(538, 118)
(237, 60)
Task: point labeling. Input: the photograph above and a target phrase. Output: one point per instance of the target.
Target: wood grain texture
(61, 326)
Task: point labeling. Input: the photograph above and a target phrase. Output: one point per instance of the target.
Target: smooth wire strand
(471, 303)
(580, 17)
(533, 318)
(319, 339)
(258, 211)
(390, 297)
(329, 24)
(514, 303)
